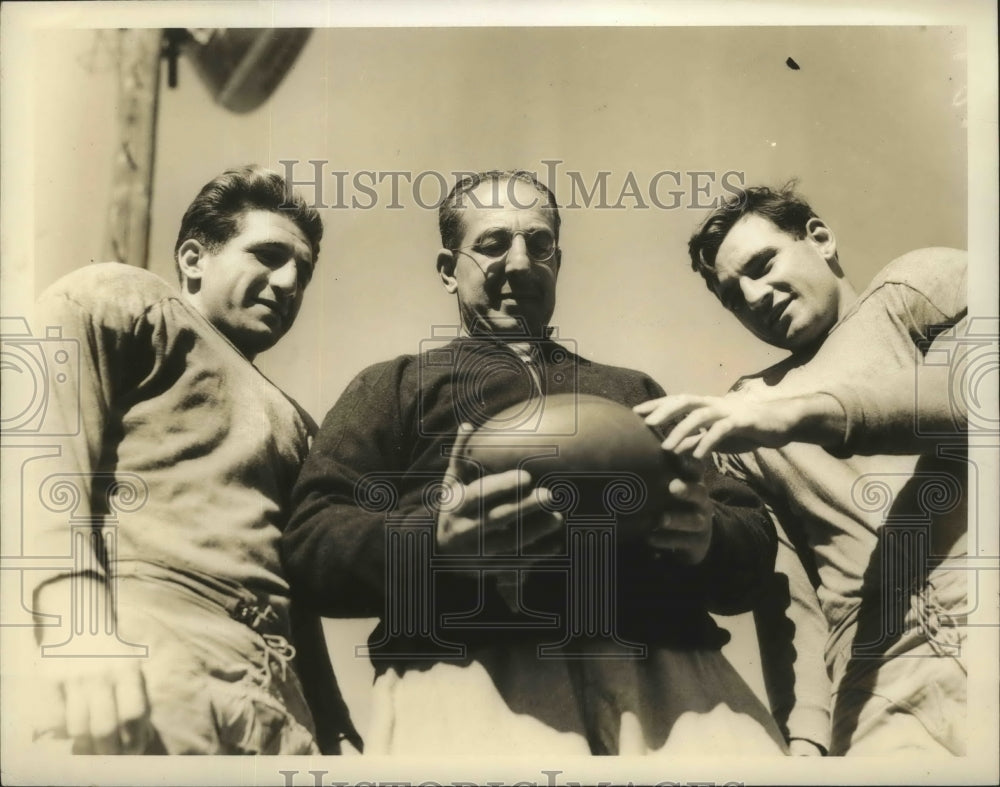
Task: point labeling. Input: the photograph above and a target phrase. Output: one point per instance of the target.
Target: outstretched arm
(862, 402)
(737, 423)
(894, 414)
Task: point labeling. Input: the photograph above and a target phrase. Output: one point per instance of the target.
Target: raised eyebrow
(490, 230)
(488, 234)
(266, 245)
(509, 231)
(540, 227)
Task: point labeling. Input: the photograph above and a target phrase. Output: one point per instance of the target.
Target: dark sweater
(393, 421)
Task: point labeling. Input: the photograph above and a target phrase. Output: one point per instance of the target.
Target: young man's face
(251, 288)
(503, 284)
(783, 289)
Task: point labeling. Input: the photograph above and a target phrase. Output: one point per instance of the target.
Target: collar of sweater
(527, 349)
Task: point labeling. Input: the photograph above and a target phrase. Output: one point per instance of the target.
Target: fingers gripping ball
(596, 457)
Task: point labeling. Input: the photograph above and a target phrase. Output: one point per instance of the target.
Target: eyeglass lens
(540, 243)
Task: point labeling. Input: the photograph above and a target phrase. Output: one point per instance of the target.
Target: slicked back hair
(450, 210)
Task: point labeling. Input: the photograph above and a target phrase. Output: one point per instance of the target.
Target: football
(598, 459)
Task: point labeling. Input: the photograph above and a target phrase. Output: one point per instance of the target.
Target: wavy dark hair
(215, 214)
(783, 206)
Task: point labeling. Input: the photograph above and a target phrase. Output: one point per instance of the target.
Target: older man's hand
(489, 511)
(685, 527)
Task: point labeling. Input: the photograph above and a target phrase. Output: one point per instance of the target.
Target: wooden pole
(132, 174)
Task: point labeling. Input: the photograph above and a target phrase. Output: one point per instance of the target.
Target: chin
(259, 341)
(802, 341)
(511, 325)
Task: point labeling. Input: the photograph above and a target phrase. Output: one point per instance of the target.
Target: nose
(755, 293)
(285, 278)
(517, 256)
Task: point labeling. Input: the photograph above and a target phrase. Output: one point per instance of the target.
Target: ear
(822, 238)
(191, 260)
(446, 270)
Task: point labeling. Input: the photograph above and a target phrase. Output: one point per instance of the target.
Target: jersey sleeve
(923, 295)
(100, 315)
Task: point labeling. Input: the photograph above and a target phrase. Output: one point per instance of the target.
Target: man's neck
(507, 337)
(192, 300)
(848, 297)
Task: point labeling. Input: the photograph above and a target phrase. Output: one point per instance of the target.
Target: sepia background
(872, 123)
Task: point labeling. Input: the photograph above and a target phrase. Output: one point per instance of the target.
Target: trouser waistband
(240, 604)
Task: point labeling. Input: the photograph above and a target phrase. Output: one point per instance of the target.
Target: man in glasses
(469, 658)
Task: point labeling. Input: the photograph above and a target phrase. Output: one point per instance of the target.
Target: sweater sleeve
(741, 556)
(333, 547)
(742, 552)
